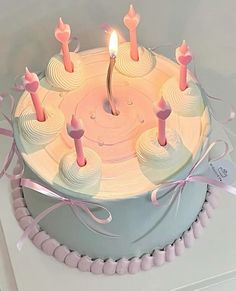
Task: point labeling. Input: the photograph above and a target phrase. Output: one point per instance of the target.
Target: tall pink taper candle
(62, 34)
(131, 21)
(31, 84)
(162, 111)
(76, 131)
(183, 57)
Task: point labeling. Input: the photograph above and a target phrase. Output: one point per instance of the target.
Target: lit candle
(162, 111)
(131, 21)
(113, 49)
(31, 85)
(183, 57)
(62, 34)
(76, 131)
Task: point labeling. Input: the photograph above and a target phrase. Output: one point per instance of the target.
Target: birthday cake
(98, 144)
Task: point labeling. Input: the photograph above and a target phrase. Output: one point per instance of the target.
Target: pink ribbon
(75, 204)
(179, 185)
(231, 115)
(13, 150)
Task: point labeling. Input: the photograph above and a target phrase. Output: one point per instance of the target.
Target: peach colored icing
(186, 103)
(112, 138)
(127, 66)
(85, 179)
(40, 133)
(58, 77)
(156, 160)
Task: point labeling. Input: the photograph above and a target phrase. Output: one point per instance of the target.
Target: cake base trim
(84, 263)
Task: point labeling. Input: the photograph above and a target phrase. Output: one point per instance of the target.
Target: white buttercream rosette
(58, 77)
(187, 103)
(127, 66)
(156, 161)
(84, 179)
(41, 132)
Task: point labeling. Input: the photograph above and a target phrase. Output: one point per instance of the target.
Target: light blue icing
(132, 218)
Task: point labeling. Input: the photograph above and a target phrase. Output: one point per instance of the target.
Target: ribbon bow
(179, 185)
(75, 204)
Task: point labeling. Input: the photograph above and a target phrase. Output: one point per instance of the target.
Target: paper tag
(223, 170)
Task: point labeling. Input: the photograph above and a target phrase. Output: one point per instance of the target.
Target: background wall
(27, 27)
(27, 33)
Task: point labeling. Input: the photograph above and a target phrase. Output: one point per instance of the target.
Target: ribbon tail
(6, 132)
(8, 160)
(213, 182)
(229, 131)
(179, 194)
(169, 206)
(91, 228)
(21, 169)
(94, 217)
(36, 220)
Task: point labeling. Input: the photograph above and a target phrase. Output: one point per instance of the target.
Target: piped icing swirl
(187, 103)
(127, 66)
(41, 133)
(156, 161)
(85, 179)
(58, 77)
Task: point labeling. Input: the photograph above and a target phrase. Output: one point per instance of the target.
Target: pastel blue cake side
(140, 225)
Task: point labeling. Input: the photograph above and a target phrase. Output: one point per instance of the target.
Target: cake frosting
(84, 179)
(188, 102)
(112, 137)
(124, 163)
(122, 266)
(158, 161)
(40, 133)
(131, 68)
(58, 77)
(112, 193)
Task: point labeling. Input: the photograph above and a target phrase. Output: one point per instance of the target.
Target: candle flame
(113, 44)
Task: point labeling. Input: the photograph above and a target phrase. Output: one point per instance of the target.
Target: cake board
(209, 265)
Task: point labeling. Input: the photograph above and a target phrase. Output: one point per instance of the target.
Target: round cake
(107, 139)
(131, 166)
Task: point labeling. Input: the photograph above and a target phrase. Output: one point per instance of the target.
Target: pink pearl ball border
(109, 267)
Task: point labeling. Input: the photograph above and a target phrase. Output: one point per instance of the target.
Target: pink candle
(62, 34)
(131, 21)
(31, 84)
(76, 131)
(162, 111)
(183, 57)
